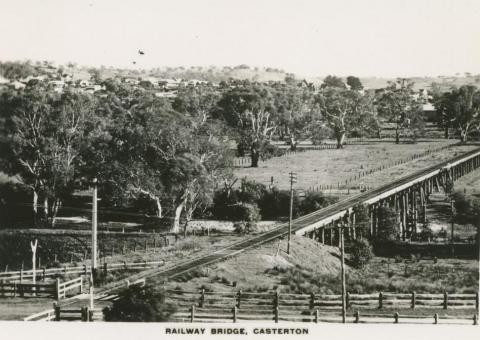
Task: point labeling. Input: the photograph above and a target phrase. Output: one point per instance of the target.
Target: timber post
(202, 298)
(192, 313)
(356, 314)
(235, 314)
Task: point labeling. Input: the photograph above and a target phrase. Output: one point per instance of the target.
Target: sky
(383, 38)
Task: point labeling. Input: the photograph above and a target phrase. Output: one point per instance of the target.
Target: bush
(387, 224)
(314, 201)
(276, 203)
(139, 304)
(245, 227)
(361, 252)
(269, 151)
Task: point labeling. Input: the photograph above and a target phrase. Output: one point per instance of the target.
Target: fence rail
(247, 306)
(58, 313)
(48, 272)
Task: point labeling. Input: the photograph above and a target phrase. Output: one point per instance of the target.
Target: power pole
(94, 227)
(452, 206)
(34, 264)
(344, 288)
(293, 179)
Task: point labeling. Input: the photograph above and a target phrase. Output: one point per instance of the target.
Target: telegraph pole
(344, 289)
(293, 179)
(452, 206)
(94, 227)
(34, 264)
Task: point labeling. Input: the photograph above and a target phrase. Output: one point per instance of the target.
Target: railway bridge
(407, 195)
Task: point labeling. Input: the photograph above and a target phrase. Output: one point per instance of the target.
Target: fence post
(105, 268)
(57, 289)
(380, 300)
(84, 313)
(475, 319)
(202, 298)
(476, 301)
(276, 314)
(65, 270)
(90, 314)
(445, 300)
(317, 315)
(43, 274)
(396, 317)
(413, 300)
(192, 313)
(312, 300)
(85, 270)
(357, 316)
(14, 288)
(347, 300)
(57, 312)
(239, 298)
(21, 275)
(234, 314)
(435, 318)
(81, 284)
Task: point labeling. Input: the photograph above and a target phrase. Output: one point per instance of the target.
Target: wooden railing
(58, 313)
(84, 269)
(247, 306)
(62, 288)
(20, 289)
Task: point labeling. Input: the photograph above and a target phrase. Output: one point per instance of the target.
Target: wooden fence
(58, 313)
(43, 273)
(57, 289)
(247, 306)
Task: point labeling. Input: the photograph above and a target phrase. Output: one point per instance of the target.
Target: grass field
(312, 267)
(328, 167)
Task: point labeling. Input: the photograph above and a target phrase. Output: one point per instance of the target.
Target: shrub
(387, 224)
(314, 201)
(251, 192)
(361, 252)
(139, 304)
(244, 227)
(276, 203)
(269, 150)
(246, 212)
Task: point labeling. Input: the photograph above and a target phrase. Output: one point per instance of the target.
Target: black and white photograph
(239, 169)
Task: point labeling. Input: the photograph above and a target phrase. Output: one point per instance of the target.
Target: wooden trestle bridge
(407, 194)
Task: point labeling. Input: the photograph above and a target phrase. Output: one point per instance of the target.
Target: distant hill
(215, 74)
(445, 82)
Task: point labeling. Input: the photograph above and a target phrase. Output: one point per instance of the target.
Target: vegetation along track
(279, 231)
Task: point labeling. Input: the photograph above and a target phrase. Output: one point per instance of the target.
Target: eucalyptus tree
(44, 134)
(343, 111)
(249, 109)
(459, 109)
(398, 104)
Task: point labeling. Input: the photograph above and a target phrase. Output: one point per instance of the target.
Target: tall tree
(354, 83)
(45, 134)
(293, 102)
(333, 81)
(459, 109)
(398, 104)
(343, 110)
(249, 109)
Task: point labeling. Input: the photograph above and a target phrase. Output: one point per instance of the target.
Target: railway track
(278, 232)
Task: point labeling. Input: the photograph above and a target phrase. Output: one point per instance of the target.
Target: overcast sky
(310, 38)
